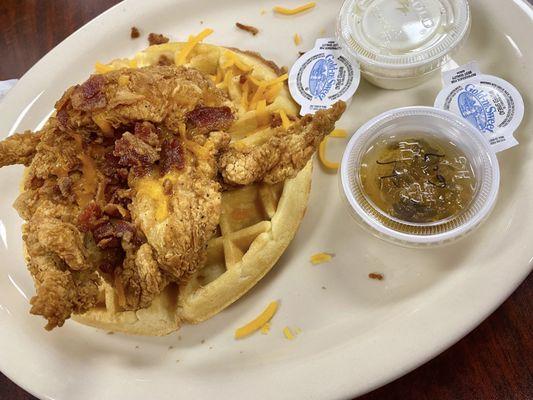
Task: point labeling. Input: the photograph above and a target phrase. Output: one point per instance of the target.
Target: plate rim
(344, 391)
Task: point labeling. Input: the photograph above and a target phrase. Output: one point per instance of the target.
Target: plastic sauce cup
(400, 44)
(426, 122)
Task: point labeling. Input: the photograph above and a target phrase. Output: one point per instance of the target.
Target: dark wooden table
(495, 361)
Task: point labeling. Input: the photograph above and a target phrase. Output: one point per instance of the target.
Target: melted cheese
(258, 322)
(153, 188)
(292, 11)
(181, 56)
(88, 183)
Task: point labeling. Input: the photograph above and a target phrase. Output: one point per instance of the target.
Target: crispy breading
(18, 148)
(139, 279)
(60, 291)
(284, 154)
(158, 94)
(64, 240)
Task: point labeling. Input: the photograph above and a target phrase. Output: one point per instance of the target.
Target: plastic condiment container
(400, 44)
(425, 121)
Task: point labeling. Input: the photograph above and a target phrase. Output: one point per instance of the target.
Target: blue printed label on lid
(491, 104)
(323, 76)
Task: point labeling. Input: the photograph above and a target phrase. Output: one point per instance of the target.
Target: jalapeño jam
(417, 178)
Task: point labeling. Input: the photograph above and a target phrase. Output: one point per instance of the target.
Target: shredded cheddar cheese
(227, 79)
(234, 60)
(258, 322)
(181, 56)
(273, 92)
(271, 82)
(285, 121)
(220, 76)
(320, 258)
(297, 39)
(102, 68)
(337, 133)
(244, 95)
(288, 333)
(265, 328)
(262, 113)
(258, 95)
(293, 11)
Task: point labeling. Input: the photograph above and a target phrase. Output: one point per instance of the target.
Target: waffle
(257, 222)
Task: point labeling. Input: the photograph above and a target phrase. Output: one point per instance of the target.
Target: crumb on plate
(247, 28)
(376, 276)
(134, 33)
(157, 38)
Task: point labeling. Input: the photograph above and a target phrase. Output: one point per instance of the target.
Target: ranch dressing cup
(402, 43)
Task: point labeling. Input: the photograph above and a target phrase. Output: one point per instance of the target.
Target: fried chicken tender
(64, 279)
(284, 154)
(179, 212)
(158, 94)
(18, 148)
(139, 280)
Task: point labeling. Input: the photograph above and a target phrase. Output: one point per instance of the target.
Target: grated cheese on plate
(265, 328)
(181, 56)
(293, 11)
(288, 333)
(337, 133)
(321, 258)
(258, 322)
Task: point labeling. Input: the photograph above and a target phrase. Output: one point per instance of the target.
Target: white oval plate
(357, 333)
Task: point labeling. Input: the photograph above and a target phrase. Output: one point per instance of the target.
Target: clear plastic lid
(425, 123)
(411, 37)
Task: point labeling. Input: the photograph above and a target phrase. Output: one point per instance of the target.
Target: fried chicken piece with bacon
(124, 183)
(170, 162)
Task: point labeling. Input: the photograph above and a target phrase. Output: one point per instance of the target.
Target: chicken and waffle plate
(163, 187)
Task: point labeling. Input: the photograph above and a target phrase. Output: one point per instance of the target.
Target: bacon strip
(208, 119)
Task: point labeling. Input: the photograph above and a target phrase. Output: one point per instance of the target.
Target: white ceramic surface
(357, 333)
